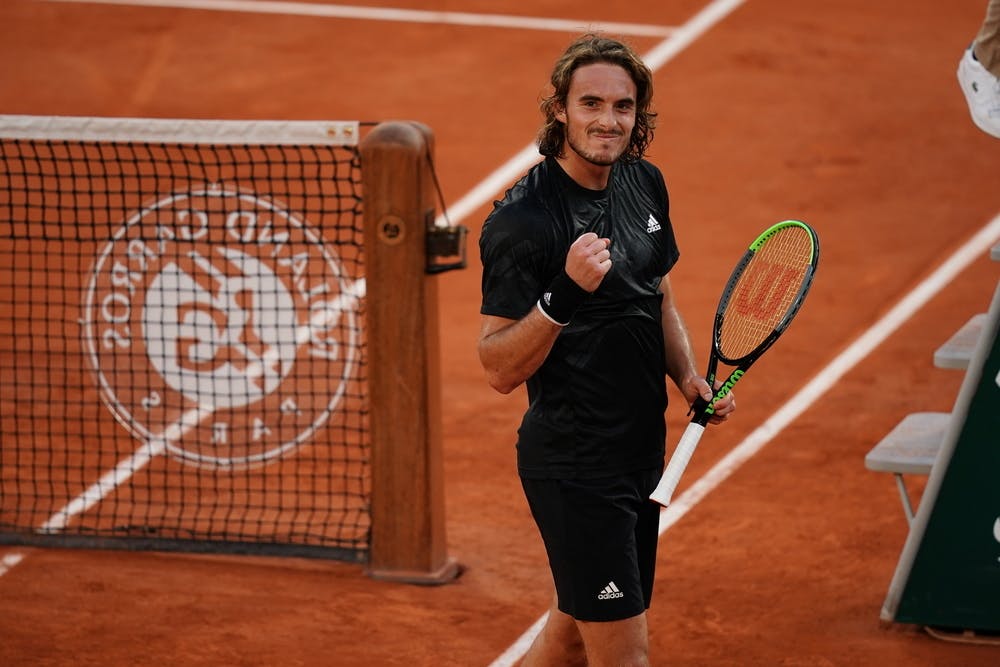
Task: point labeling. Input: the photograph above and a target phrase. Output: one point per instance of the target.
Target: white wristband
(538, 305)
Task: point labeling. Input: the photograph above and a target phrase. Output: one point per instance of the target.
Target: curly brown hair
(587, 50)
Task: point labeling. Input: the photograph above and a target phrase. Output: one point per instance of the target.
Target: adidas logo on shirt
(652, 225)
(610, 592)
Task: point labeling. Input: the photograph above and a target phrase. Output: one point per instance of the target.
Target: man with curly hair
(577, 305)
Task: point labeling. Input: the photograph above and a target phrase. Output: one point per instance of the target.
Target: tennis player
(577, 304)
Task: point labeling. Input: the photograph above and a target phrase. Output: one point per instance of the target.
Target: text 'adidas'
(610, 592)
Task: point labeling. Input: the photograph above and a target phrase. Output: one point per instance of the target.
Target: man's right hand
(589, 260)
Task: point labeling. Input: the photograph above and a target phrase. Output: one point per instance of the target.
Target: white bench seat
(957, 350)
(909, 448)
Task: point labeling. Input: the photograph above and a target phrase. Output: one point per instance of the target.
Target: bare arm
(512, 350)
(677, 345)
(680, 357)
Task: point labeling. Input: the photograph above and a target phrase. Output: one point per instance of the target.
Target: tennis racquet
(764, 292)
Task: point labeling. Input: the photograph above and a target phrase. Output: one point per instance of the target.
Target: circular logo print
(220, 328)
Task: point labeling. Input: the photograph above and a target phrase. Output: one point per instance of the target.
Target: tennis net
(182, 344)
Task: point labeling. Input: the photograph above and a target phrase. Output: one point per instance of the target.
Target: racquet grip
(664, 491)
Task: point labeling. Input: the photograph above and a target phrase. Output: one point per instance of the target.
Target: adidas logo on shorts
(610, 592)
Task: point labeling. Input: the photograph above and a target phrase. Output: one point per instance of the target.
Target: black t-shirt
(596, 405)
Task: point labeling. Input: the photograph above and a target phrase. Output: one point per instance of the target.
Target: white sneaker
(982, 92)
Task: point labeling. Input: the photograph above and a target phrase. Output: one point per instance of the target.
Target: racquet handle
(664, 491)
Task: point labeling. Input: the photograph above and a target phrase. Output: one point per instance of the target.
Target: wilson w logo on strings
(762, 293)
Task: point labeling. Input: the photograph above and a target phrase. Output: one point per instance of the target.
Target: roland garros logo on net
(220, 327)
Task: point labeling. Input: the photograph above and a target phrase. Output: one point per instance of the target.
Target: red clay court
(843, 114)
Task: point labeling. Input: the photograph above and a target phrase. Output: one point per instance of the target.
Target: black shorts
(600, 536)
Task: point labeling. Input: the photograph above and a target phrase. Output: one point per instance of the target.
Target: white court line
(973, 249)
(677, 41)
(400, 15)
(9, 561)
(118, 475)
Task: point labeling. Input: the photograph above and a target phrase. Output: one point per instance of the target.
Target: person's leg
(592, 530)
(625, 642)
(987, 43)
(616, 643)
(558, 644)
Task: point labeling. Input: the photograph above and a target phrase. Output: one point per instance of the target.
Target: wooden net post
(407, 502)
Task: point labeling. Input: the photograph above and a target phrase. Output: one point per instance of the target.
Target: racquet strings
(765, 291)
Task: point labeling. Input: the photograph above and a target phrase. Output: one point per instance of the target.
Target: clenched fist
(589, 260)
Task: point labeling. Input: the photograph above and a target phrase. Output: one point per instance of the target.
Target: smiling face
(598, 116)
